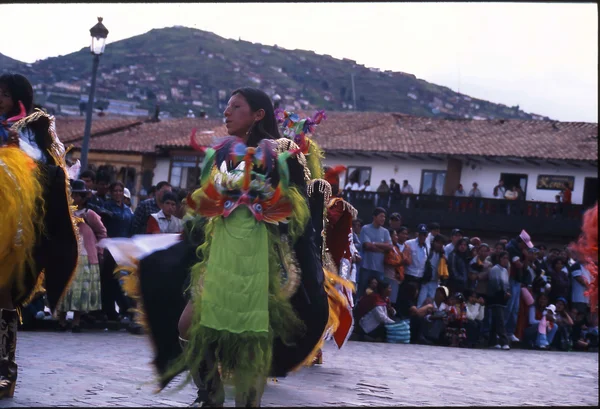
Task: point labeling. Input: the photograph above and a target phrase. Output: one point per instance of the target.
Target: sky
(540, 56)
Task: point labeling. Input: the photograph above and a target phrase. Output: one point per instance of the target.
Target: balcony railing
(474, 214)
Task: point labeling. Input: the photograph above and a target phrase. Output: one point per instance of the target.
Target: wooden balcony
(475, 216)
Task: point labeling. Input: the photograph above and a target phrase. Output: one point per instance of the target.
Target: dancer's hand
(13, 138)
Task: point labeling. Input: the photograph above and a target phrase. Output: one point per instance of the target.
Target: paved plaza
(112, 369)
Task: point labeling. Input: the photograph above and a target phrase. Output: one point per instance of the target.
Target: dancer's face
(6, 102)
(239, 116)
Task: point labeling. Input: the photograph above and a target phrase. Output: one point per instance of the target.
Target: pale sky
(541, 56)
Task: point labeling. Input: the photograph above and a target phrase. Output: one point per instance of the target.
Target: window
(516, 180)
(358, 174)
(184, 172)
(432, 182)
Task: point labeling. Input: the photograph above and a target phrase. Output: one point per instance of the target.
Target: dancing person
(37, 228)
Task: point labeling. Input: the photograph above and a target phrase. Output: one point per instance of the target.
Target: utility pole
(88, 117)
(353, 90)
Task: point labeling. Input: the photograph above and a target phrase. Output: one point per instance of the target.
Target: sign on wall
(554, 182)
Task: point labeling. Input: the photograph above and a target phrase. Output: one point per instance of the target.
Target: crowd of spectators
(422, 287)
(105, 206)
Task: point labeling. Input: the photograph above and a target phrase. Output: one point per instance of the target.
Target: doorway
(590, 192)
(515, 179)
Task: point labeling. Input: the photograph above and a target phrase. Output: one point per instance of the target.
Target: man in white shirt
(164, 221)
(457, 234)
(419, 252)
(499, 190)
(475, 192)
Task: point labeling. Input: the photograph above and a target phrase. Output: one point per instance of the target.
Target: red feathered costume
(587, 251)
(338, 236)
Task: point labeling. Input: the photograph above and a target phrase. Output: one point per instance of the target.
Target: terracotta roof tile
(146, 137)
(392, 133)
(72, 128)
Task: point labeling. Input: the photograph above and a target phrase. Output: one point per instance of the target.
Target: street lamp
(99, 34)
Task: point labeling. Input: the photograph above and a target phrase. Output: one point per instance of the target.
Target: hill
(185, 69)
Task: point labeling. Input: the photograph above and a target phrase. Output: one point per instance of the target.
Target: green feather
(207, 164)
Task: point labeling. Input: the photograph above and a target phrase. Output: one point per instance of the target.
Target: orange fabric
(587, 249)
(339, 227)
(152, 226)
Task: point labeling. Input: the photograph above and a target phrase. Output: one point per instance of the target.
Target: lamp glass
(97, 46)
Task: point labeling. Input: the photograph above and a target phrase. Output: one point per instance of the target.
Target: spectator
(404, 249)
(456, 334)
(562, 339)
(419, 254)
(375, 241)
(460, 192)
(117, 225)
(566, 194)
(102, 186)
(456, 235)
(395, 221)
(520, 193)
(407, 188)
(434, 230)
(517, 250)
(353, 179)
(407, 308)
(546, 328)
(430, 281)
(498, 247)
(536, 312)
(89, 177)
(497, 295)
(541, 254)
(475, 316)
(372, 286)
(580, 283)
(499, 190)
(394, 266)
(164, 221)
(148, 207)
(407, 191)
(479, 270)
(458, 267)
(83, 294)
(433, 325)
(475, 192)
(366, 187)
(127, 197)
(356, 228)
(394, 187)
(511, 194)
(374, 311)
(559, 276)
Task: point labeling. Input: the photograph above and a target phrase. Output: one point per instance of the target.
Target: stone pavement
(112, 369)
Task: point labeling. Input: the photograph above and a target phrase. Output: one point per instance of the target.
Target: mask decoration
(224, 191)
(297, 129)
(6, 123)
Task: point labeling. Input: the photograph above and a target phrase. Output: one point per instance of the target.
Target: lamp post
(99, 34)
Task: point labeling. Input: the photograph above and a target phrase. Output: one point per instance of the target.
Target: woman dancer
(252, 311)
(37, 228)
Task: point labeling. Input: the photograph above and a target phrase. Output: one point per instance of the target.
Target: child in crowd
(164, 221)
(546, 328)
(475, 314)
(456, 334)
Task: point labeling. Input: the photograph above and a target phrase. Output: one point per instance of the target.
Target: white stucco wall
(386, 169)
(161, 171)
(485, 174)
(488, 175)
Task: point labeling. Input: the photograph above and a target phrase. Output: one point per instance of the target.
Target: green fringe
(247, 356)
(314, 160)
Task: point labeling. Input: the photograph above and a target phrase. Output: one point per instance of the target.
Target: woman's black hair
(497, 256)
(115, 184)
(266, 128)
(555, 262)
(382, 286)
(409, 290)
(20, 89)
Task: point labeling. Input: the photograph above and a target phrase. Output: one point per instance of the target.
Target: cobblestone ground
(112, 369)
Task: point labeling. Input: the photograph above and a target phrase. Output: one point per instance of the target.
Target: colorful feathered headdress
(297, 129)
